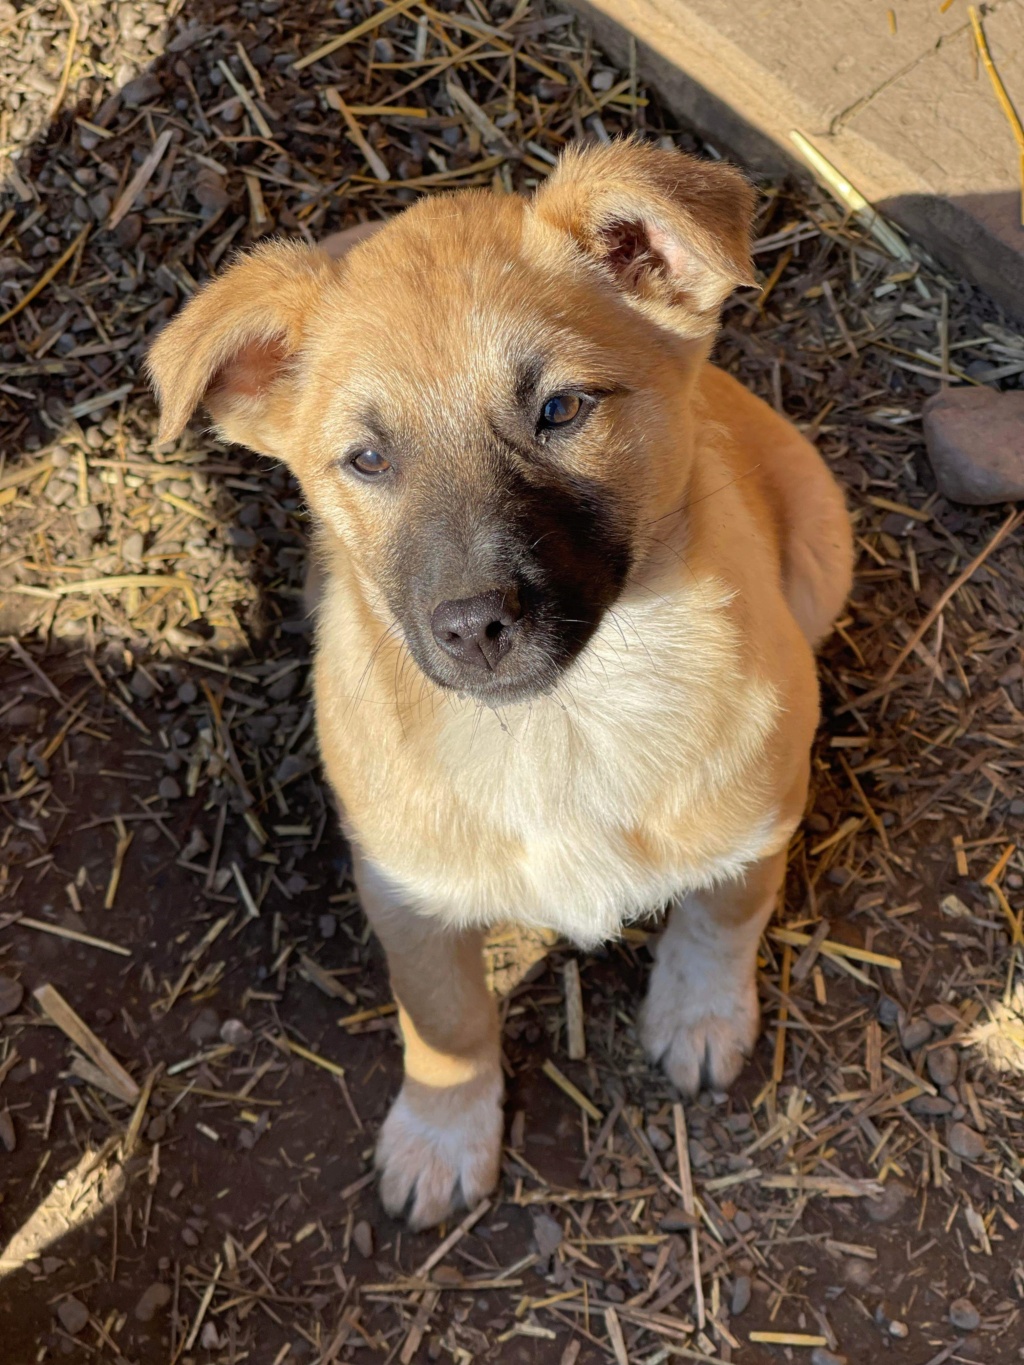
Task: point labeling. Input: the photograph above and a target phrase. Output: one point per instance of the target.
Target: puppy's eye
(561, 409)
(370, 463)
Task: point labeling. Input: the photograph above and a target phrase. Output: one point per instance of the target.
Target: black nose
(478, 630)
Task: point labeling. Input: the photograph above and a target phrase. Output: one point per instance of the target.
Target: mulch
(196, 1040)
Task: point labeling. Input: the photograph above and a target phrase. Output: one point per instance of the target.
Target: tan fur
(670, 762)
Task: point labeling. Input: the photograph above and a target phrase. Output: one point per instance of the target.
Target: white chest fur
(636, 780)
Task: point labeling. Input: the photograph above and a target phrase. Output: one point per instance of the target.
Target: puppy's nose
(478, 630)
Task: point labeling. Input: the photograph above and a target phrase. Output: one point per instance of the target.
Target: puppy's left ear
(671, 231)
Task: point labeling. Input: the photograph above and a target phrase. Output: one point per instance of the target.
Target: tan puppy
(572, 575)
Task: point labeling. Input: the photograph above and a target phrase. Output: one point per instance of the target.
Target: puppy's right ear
(233, 347)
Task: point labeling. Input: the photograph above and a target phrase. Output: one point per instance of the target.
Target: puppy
(572, 575)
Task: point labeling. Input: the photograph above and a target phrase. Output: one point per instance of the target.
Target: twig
(1009, 525)
(65, 74)
(46, 277)
(1006, 104)
(53, 1004)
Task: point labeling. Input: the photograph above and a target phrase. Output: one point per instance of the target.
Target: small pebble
(883, 1210)
(11, 994)
(89, 519)
(187, 693)
(743, 1222)
(964, 1315)
(205, 1026)
(547, 1233)
(141, 685)
(820, 1356)
(898, 1329)
(156, 1128)
(362, 1238)
(677, 1221)
(129, 230)
(132, 547)
(741, 1294)
(915, 1033)
(328, 925)
(658, 1138)
(73, 1315)
(942, 1016)
(169, 789)
(943, 1066)
(141, 90)
(189, 1236)
(235, 1033)
(889, 1011)
(8, 1137)
(966, 1142)
(933, 1106)
(157, 1296)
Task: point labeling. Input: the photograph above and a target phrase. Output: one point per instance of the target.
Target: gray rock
(932, 1106)
(169, 789)
(141, 90)
(889, 1011)
(975, 441)
(915, 1033)
(132, 547)
(73, 1315)
(942, 1016)
(141, 685)
(964, 1315)
(89, 519)
(966, 1142)
(99, 205)
(820, 1356)
(129, 230)
(883, 1210)
(547, 1234)
(943, 1066)
(205, 1026)
(362, 1238)
(741, 1294)
(234, 1032)
(677, 1221)
(11, 994)
(154, 1298)
(210, 191)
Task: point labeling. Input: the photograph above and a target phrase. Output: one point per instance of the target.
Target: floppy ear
(673, 232)
(232, 347)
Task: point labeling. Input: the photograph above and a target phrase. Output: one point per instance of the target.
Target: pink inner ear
(252, 371)
(633, 248)
(676, 257)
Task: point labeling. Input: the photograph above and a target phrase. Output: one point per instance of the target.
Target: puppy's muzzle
(478, 631)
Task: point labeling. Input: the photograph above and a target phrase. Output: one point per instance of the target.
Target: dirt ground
(169, 861)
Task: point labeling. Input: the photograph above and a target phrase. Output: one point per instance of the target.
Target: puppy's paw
(701, 1032)
(440, 1148)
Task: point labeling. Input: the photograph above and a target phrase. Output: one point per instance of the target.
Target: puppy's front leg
(701, 1017)
(441, 1141)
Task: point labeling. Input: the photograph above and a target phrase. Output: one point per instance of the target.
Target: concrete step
(909, 117)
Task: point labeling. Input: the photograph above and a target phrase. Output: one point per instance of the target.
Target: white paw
(701, 1031)
(439, 1149)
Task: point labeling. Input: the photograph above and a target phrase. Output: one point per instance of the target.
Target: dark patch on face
(557, 542)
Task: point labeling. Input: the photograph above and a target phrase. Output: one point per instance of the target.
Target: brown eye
(370, 462)
(560, 409)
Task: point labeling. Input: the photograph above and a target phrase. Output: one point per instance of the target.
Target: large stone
(975, 440)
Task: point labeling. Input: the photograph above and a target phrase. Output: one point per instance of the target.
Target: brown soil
(180, 708)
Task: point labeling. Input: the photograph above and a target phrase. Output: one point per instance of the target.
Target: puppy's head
(485, 402)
